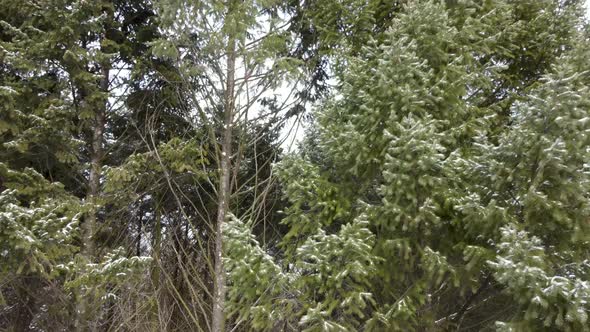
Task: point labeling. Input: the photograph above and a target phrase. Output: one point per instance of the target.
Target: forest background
(148, 179)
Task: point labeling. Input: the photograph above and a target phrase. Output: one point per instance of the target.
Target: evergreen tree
(57, 58)
(430, 140)
(442, 184)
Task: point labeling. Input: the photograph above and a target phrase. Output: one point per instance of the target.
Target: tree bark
(157, 239)
(224, 190)
(96, 155)
(89, 225)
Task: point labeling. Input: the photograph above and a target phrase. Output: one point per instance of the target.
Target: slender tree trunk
(224, 190)
(157, 239)
(96, 156)
(89, 225)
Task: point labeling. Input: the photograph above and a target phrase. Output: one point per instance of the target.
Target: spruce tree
(56, 82)
(445, 145)
(442, 184)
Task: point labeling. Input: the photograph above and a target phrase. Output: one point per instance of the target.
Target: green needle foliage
(442, 184)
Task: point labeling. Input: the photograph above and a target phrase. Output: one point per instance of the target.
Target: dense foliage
(148, 180)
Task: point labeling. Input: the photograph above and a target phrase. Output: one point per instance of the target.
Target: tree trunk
(224, 190)
(157, 239)
(96, 156)
(89, 225)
